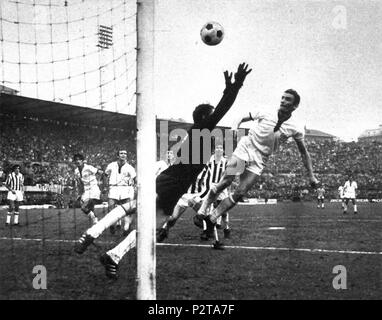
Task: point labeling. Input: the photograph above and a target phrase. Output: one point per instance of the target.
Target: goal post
(146, 153)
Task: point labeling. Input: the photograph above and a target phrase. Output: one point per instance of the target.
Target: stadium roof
(25, 107)
(318, 133)
(4, 89)
(20, 106)
(370, 133)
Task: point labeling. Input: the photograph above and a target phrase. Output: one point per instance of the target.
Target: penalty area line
(210, 246)
(278, 249)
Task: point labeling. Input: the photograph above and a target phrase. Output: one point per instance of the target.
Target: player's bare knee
(236, 166)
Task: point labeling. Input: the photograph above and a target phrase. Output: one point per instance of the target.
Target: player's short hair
(201, 111)
(78, 156)
(295, 95)
(16, 166)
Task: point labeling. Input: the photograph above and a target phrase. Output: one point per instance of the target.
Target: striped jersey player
(210, 176)
(15, 185)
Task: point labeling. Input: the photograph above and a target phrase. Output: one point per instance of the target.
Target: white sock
(9, 216)
(124, 247)
(216, 234)
(355, 208)
(204, 225)
(111, 218)
(93, 217)
(127, 222)
(226, 220)
(16, 218)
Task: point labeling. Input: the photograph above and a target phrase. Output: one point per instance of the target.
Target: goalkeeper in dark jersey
(173, 182)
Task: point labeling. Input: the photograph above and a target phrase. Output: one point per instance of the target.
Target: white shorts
(121, 192)
(349, 196)
(92, 193)
(18, 196)
(183, 201)
(254, 160)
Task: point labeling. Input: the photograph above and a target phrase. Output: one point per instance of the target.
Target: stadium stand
(42, 137)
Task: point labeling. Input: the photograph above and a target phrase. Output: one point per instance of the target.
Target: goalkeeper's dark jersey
(173, 182)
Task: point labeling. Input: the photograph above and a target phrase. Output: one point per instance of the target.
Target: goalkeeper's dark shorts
(169, 190)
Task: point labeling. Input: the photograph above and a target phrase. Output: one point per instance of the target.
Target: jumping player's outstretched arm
(229, 95)
(241, 120)
(307, 162)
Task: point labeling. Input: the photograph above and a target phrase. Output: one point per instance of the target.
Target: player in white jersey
(350, 192)
(252, 153)
(15, 186)
(341, 196)
(121, 181)
(320, 197)
(162, 165)
(88, 186)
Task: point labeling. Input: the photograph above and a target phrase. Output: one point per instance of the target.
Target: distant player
(162, 165)
(86, 176)
(172, 183)
(252, 153)
(15, 185)
(350, 192)
(121, 181)
(320, 197)
(1, 174)
(341, 196)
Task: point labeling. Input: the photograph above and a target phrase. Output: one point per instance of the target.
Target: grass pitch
(283, 251)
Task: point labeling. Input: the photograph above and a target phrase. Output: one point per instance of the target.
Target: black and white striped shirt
(15, 182)
(200, 185)
(217, 169)
(211, 174)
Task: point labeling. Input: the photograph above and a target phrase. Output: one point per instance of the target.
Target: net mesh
(80, 53)
(52, 50)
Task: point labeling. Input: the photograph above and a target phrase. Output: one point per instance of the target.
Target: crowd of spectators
(45, 150)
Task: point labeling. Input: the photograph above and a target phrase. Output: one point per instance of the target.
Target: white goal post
(146, 153)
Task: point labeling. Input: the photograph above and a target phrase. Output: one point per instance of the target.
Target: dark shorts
(169, 190)
(88, 205)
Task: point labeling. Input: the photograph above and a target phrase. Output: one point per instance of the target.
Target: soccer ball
(212, 33)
